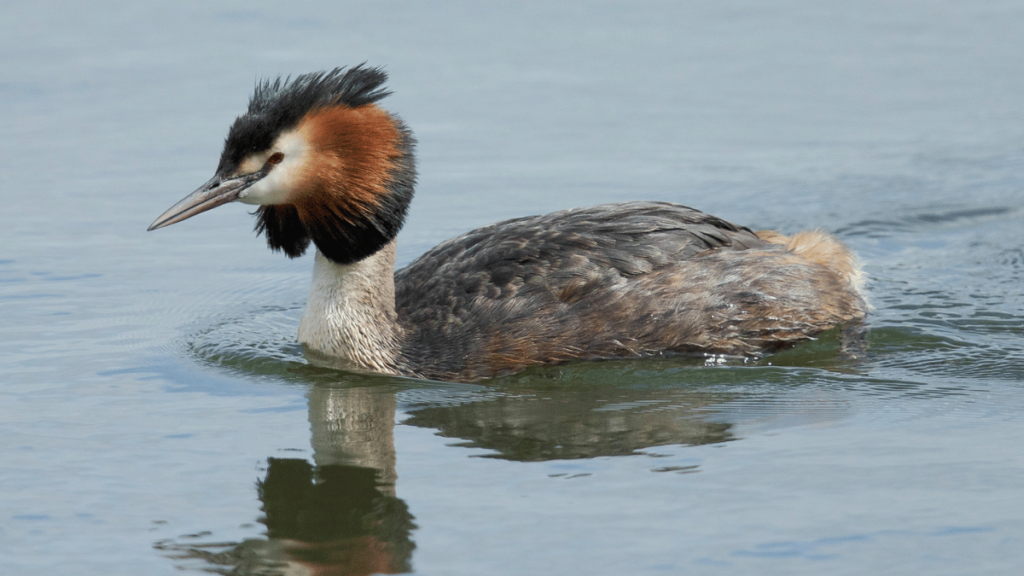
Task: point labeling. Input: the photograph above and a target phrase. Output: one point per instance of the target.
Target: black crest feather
(277, 105)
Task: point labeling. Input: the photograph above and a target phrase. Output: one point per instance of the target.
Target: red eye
(275, 158)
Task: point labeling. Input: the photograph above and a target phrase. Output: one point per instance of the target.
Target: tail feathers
(823, 248)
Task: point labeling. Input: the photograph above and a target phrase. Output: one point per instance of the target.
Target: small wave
(259, 342)
(926, 221)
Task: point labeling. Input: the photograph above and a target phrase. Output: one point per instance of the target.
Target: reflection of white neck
(355, 427)
(350, 314)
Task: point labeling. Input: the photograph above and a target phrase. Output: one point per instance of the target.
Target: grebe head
(321, 160)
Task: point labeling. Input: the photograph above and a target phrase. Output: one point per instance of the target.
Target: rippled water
(158, 417)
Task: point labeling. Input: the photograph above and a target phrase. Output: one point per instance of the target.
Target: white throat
(351, 315)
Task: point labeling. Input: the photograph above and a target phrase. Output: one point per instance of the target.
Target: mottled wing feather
(502, 260)
(618, 235)
(609, 281)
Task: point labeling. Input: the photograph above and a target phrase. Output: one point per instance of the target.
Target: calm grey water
(156, 415)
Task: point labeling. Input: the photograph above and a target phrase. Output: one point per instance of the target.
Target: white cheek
(280, 184)
(274, 188)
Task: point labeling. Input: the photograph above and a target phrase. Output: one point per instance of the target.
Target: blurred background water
(157, 416)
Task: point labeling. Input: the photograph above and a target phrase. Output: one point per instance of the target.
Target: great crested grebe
(326, 165)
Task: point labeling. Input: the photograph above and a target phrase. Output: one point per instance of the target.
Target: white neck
(350, 314)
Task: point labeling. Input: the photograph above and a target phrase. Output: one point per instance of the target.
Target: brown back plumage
(611, 281)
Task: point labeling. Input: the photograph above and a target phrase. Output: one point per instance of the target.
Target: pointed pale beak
(218, 190)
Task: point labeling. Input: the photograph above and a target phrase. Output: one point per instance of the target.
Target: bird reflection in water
(336, 516)
(336, 519)
(342, 516)
(340, 513)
